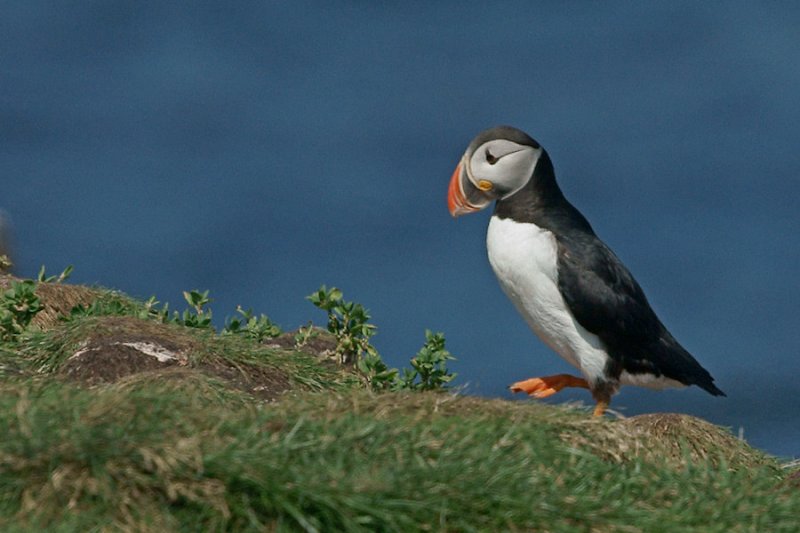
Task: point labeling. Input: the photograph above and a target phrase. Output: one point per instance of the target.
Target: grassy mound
(124, 423)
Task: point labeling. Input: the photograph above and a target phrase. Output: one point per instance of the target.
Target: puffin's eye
(490, 158)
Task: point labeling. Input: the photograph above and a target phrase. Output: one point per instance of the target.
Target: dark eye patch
(490, 158)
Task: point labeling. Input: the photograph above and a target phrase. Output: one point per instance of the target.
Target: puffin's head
(497, 163)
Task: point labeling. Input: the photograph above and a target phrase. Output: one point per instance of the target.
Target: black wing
(607, 301)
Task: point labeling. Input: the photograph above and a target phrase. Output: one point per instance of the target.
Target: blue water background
(261, 149)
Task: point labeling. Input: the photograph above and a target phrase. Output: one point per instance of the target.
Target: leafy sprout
(348, 322)
(19, 304)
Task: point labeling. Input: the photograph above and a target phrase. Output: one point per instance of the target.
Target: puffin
(571, 289)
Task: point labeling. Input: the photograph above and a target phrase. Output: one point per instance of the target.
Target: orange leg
(548, 385)
(600, 408)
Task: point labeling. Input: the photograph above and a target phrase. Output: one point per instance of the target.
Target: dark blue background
(261, 149)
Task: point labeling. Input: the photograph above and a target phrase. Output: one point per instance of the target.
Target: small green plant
(256, 328)
(151, 310)
(18, 306)
(429, 366)
(377, 373)
(5, 262)
(197, 317)
(65, 274)
(304, 334)
(99, 308)
(347, 321)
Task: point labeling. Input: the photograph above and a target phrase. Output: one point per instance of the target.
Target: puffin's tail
(681, 365)
(711, 388)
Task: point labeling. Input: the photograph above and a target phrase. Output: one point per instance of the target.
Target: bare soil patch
(122, 346)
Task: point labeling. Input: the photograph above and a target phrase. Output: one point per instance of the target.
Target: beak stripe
(456, 199)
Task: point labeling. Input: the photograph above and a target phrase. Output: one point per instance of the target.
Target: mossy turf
(192, 446)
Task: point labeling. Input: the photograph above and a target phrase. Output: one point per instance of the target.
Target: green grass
(189, 456)
(181, 449)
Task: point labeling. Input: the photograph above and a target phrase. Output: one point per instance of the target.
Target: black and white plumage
(570, 288)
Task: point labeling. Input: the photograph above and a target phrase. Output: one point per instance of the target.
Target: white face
(502, 167)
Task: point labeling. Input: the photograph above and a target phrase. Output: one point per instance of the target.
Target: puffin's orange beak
(456, 200)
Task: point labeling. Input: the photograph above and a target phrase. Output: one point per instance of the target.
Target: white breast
(524, 259)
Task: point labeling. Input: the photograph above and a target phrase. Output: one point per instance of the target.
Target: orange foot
(600, 408)
(548, 385)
